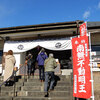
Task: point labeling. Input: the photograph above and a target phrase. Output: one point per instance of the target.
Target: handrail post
(0, 90)
(24, 73)
(14, 83)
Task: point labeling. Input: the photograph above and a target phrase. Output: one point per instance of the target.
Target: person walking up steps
(29, 63)
(49, 65)
(40, 59)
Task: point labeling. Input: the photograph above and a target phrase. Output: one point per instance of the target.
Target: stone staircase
(32, 89)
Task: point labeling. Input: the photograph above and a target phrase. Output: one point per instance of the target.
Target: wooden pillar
(1, 50)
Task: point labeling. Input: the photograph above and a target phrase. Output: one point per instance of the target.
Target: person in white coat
(9, 65)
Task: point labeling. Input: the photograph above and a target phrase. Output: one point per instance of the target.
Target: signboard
(83, 29)
(81, 68)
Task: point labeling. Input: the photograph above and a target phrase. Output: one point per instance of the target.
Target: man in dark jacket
(40, 59)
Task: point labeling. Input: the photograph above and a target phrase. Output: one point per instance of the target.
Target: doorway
(63, 56)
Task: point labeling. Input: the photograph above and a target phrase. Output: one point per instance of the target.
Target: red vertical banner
(83, 29)
(81, 68)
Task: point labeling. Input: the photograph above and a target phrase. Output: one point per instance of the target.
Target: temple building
(53, 37)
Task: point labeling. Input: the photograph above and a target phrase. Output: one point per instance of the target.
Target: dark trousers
(33, 70)
(29, 69)
(49, 77)
(41, 72)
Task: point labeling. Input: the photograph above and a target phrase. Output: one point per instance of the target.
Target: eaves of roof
(41, 27)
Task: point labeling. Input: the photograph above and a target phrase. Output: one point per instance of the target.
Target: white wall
(0, 68)
(17, 57)
(20, 58)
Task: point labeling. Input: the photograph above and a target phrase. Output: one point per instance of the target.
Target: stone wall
(96, 78)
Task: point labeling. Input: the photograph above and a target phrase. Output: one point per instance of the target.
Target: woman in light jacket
(9, 65)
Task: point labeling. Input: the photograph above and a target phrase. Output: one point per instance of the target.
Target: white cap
(51, 55)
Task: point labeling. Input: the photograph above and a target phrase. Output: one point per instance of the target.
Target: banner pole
(91, 67)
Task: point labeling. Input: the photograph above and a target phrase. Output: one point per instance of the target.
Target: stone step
(37, 77)
(6, 98)
(16, 83)
(41, 94)
(33, 80)
(33, 84)
(17, 78)
(64, 79)
(63, 88)
(62, 84)
(19, 83)
(40, 84)
(56, 82)
(41, 88)
(30, 93)
(22, 80)
(7, 93)
(32, 88)
(59, 94)
(36, 93)
(30, 77)
(41, 98)
(37, 80)
(10, 89)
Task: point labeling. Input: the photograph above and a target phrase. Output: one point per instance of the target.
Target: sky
(32, 12)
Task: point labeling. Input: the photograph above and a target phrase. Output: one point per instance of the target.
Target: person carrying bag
(49, 65)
